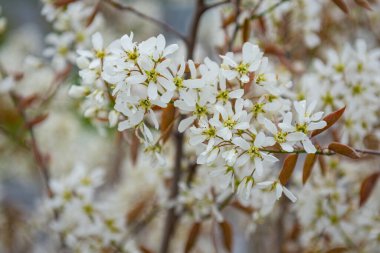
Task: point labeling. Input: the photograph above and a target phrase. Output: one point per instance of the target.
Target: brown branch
(153, 20)
(172, 217)
(38, 157)
(326, 151)
(210, 6)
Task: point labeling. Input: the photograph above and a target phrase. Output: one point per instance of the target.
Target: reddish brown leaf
(262, 25)
(322, 164)
(344, 150)
(145, 249)
(367, 187)
(37, 120)
(228, 20)
(246, 30)
(364, 3)
(227, 235)
(342, 5)
(134, 148)
(330, 120)
(27, 101)
(193, 236)
(167, 118)
(136, 211)
(308, 167)
(245, 209)
(93, 15)
(337, 250)
(288, 168)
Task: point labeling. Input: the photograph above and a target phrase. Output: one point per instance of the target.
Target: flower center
(328, 99)
(230, 123)
(301, 128)
(281, 137)
(210, 132)
(145, 104)
(178, 82)
(133, 55)
(260, 78)
(151, 75)
(258, 108)
(254, 152)
(242, 68)
(339, 67)
(357, 89)
(222, 96)
(100, 54)
(200, 111)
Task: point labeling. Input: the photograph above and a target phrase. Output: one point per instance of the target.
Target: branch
(153, 20)
(216, 4)
(326, 152)
(234, 34)
(38, 157)
(172, 217)
(270, 9)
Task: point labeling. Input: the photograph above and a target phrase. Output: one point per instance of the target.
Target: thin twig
(210, 6)
(153, 20)
(320, 152)
(237, 26)
(172, 217)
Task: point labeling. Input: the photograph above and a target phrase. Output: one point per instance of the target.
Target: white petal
(185, 123)
(260, 138)
(97, 41)
(288, 194)
(309, 147)
(152, 90)
(238, 141)
(236, 93)
(316, 125)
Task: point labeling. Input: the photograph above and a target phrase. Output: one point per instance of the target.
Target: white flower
(306, 121)
(275, 185)
(286, 139)
(231, 120)
(245, 187)
(253, 153)
(250, 62)
(77, 91)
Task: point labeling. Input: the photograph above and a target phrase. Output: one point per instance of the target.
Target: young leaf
(288, 168)
(228, 20)
(343, 150)
(134, 148)
(364, 3)
(136, 211)
(193, 236)
(330, 120)
(367, 187)
(167, 118)
(322, 164)
(227, 235)
(308, 166)
(342, 5)
(37, 120)
(337, 250)
(246, 30)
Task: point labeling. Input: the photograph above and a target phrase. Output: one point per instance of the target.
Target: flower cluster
(85, 222)
(347, 78)
(73, 24)
(214, 99)
(329, 213)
